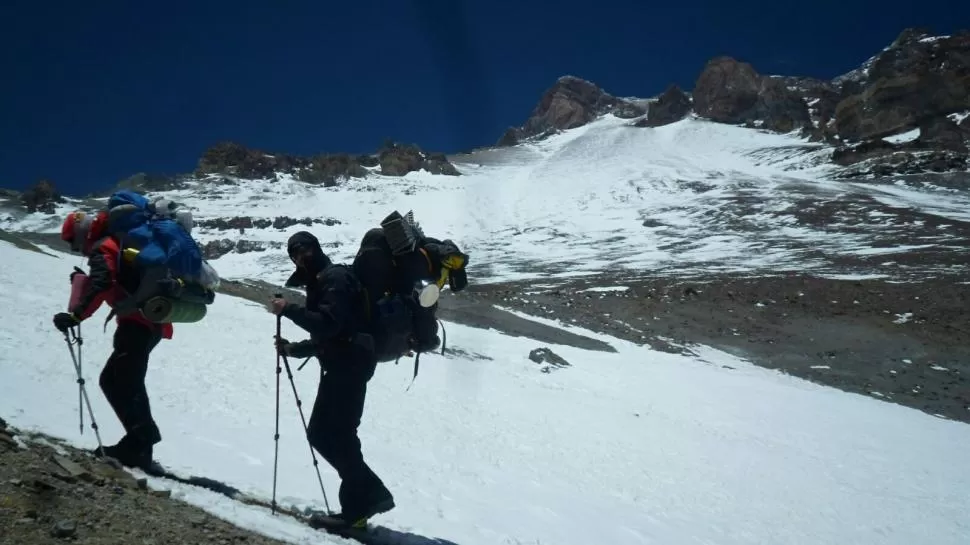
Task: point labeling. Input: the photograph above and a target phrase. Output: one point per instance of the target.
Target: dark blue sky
(95, 91)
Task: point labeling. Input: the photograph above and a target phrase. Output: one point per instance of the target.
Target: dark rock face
(233, 159)
(673, 105)
(398, 159)
(917, 77)
(780, 108)
(42, 197)
(245, 222)
(730, 91)
(571, 102)
(368, 160)
(907, 162)
(327, 169)
(215, 249)
(848, 155)
(726, 91)
(942, 133)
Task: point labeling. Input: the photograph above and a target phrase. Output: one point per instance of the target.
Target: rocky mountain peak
(571, 102)
(918, 82)
(910, 36)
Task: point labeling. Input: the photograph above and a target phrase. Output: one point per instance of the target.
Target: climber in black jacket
(333, 315)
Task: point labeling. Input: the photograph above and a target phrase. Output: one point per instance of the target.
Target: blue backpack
(155, 232)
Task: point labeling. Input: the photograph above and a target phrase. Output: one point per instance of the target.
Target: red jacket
(109, 281)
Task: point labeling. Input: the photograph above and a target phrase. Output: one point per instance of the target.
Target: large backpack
(154, 236)
(401, 271)
(154, 230)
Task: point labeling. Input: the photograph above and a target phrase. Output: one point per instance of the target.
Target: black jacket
(333, 313)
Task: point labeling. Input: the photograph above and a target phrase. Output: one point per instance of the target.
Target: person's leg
(333, 432)
(123, 382)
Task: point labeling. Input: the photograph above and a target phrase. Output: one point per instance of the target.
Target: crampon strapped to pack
(402, 271)
(155, 238)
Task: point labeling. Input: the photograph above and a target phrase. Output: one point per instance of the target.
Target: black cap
(302, 239)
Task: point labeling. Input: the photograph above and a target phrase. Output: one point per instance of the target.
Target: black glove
(64, 321)
(281, 346)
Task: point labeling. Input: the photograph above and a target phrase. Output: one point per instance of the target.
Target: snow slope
(691, 197)
(634, 447)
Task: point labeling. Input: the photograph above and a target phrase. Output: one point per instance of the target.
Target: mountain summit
(902, 111)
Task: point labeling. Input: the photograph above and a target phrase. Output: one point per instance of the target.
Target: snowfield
(690, 198)
(633, 447)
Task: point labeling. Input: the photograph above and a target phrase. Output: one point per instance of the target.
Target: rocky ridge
(227, 162)
(918, 84)
(393, 159)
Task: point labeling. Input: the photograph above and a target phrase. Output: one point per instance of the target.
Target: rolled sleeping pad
(79, 283)
(165, 310)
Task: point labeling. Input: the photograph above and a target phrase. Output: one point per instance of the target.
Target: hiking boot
(350, 521)
(128, 453)
(359, 519)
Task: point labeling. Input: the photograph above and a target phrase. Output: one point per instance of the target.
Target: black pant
(123, 381)
(333, 432)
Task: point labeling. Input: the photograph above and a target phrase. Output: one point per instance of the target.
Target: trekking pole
(80, 382)
(276, 437)
(299, 406)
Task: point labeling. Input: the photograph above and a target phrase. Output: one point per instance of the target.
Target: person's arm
(101, 278)
(299, 349)
(335, 309)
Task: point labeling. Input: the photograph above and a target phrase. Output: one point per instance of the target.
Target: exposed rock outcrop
(235, 159)
(232, 159)
(571, 102)
(673, 105)
(918, 76)
(943, 133)
(399, 159)
(42, 197)
(242, 223)
(920, 82)
(214, 249)
(328, 169)
(730, 91)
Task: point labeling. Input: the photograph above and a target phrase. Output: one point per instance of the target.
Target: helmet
(75, 231)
